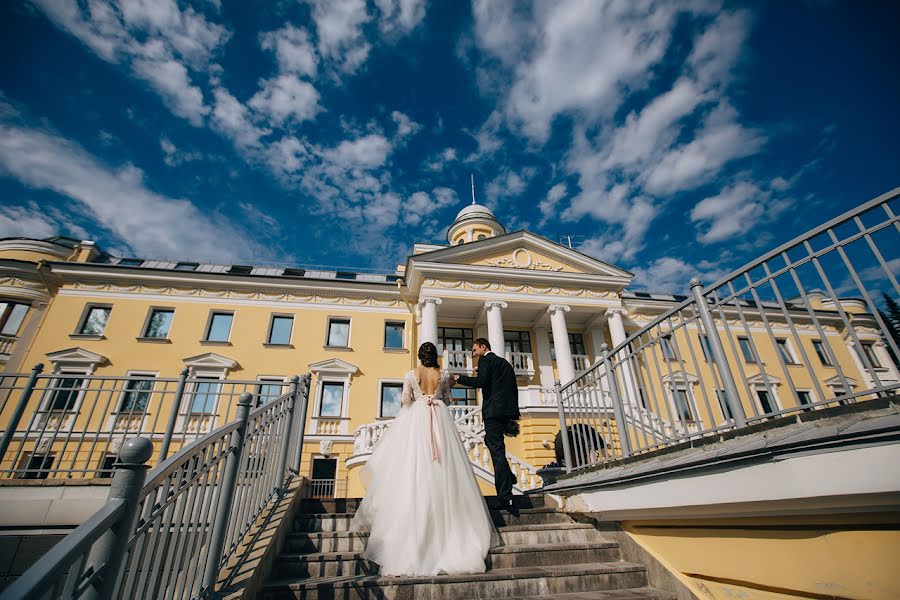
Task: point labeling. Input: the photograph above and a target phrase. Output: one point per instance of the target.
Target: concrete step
(323, 522)
(336, 564)
(632, 594)
(335, 505)
(341, 521)
(497, 583)
(308, 542)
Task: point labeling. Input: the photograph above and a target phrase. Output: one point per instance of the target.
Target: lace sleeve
(407, 396)
(446, 386)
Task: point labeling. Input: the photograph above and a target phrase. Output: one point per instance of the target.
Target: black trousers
(503, 475)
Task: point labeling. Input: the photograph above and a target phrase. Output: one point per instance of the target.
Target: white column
(598, 338)
(545, 360)
(428, 329)
(617, 333)
(564, 363)
(495, 325)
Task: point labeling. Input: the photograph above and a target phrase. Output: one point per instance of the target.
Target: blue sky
(670, 138)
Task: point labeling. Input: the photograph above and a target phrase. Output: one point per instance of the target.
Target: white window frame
(269, 379)
(825, 349)
(6, 313)
(761, 387)
(66, 373)
(209, 323)
(812, 399)
(349, 332)
(143, 337)
(381, 384)
(689, 398)
(290, 342)
(84, 317)
(112, 417)
(789, 348)
(329, 380)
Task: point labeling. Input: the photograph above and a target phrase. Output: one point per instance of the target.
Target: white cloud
(149, 223)
(171, 80)
(293, 50)
(737, 210)
(369, 152)
(233, 120)
(508, 184)
(286, 98)
(339, 26)
(403, 15)
(439, 161)
(34, 222)
(420, 205)
(406, 127)
(548, 205)
(673, 275)
(173, 156)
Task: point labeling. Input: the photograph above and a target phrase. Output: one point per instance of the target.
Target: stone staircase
(544, 554)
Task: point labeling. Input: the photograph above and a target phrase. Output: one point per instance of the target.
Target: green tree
(891, 317)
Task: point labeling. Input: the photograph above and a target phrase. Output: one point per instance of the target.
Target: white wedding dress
(423, 509)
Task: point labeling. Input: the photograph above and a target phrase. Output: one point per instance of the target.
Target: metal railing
(801, 328)
(76, 423)
(169, 537)
(326, 489)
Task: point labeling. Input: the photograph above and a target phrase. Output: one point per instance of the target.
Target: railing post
(286, 440)
(107, 555)
(563, 430)
(173, 416)
(718, 355)
(226, 495)
(19, 411)
(303, 401)
(618, 409)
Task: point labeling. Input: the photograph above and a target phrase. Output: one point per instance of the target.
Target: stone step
(335, 505)
(342, 521)
(336, 564)
(345, 541)
(631, 594)
(497, 583)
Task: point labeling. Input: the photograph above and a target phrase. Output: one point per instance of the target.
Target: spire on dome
(473, 188)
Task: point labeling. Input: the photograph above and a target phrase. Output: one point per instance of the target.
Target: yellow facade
(483, 277)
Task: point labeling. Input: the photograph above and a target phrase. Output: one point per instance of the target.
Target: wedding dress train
(423, 509)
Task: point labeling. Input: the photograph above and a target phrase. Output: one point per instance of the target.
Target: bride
(423, 509)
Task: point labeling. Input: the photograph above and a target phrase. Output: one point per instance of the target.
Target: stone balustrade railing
(522, 362)
(458, 361)
(6, 344)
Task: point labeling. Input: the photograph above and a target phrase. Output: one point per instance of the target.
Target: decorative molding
(325, 447)
(495, 304)
(210, 360)
(558, 307)
(514, 288)
(523, 259)
(333, 365)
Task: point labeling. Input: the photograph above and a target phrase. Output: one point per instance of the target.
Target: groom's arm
(484, 369)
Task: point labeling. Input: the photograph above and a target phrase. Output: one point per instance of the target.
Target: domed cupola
(474, 222)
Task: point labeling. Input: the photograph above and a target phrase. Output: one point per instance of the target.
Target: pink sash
(435, 434)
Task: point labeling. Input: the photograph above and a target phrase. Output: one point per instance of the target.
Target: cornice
(542, 290)
(35, 246)
(423, 271)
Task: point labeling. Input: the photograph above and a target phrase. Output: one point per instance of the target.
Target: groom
(501, 405)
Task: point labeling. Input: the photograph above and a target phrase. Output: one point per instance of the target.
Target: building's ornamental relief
(360, 300)
(523, 259)
(517, 288)
(22, 283)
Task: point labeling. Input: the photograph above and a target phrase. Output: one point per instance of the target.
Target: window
(454, 339)
(280, 330)
(332, 399)
(393, 278)
(205, 395)
(390, 399)
(137, 395)
(37, 466)
(107, 467)
(804, 397)
(765, 401)
(460, 396)
(345, 275)
(576, 345)
(94, 320)
(869, 350)
(219, 327)
(293, 272)
(159, 323)
(12, 314)
(339, 333)
(394, 334)
(516, 341)
(240, 270)
(186, 266)
(682, 405)
(65, 393)
(747, 349)
(726, 410)
(785, 351)
(268, 390)
(481, 236)
(130, 262)
(665, 345)
(704, 345)
(819, 347)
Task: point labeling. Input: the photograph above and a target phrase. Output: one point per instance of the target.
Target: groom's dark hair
(483, 342)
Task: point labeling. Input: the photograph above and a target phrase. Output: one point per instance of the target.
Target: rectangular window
(12, 314)
(746, 349)
(785, 351)
(394, 334)
(107, 467)
(206, 394)
(454, 338)
(37, 466)
(345, 275)
(869, 349)
(186, 266)
(219, 327)
(819, 347)
(65, 393)
(461, 396)
(159, 322)
(137, 395)
(682, 405)
(765, 401)
(130, 262)
(339, 333)
(94, 320)
(293, 272)
(240, 270)
(516, 341)
(332, 400)
(268, 390)
(665, 344)
(390, 399)
(280, 330)
(726, 410)
(704, 344)
(804, 397)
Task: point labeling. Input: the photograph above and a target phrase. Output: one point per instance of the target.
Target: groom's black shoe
(511, 508)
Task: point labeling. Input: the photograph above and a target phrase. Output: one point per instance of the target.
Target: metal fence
(169, 537)
(71, 425)
(326, 489)
(806, 326)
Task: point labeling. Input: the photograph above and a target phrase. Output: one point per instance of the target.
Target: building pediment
(760, 379)
(836, 381)
(76, 356)
(210, 360)
(332, 366)
(680, 377)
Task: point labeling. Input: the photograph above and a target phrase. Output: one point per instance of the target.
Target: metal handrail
(169, 537)
(697, 369)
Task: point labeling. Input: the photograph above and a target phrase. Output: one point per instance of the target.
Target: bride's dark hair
(428, 355)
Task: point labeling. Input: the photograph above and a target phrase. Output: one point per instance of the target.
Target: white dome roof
(475, 211)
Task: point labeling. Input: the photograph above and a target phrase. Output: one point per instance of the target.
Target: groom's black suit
(497, 381)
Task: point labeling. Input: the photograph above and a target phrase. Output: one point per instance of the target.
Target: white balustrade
(582, 363)
(6, 344)
(522, 362)
(458, 361)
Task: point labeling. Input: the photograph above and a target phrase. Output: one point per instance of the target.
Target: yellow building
(115, 334)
